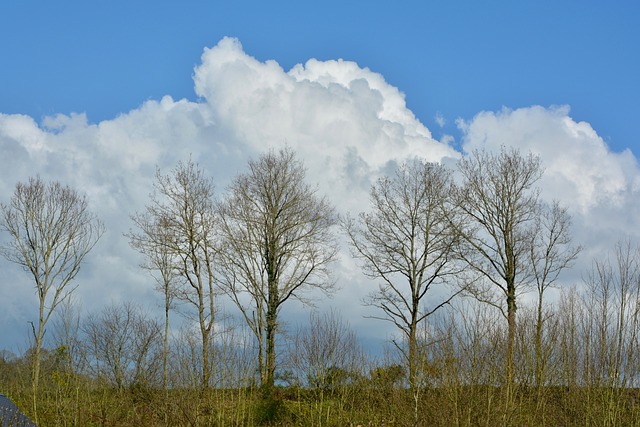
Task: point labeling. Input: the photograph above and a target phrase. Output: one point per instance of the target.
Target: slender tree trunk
(511, 337)
(538, 345)
(540, 363)
(413, 350)
(261, 359)
(206, 371)
(413, 368)
(413, 355)
(271, 324)
(413, 341)
(211, 323)
(205, 331)
(271, 317)
(165, 349)
(165, 352)
(35, 374)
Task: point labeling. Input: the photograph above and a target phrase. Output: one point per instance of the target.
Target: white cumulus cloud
(345, 119)
(599, 187)
(346, 123)
(580, 169)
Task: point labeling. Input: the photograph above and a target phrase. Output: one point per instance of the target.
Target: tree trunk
(272, 314)
(511, 322)
(205, 331)
(538, 347)
(271, 325)
(165, 349)
(413, 368)
(413, 354)
(261, 359)
(35, 375)
(206, 371)
(165, 352)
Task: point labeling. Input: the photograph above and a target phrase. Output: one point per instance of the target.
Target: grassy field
(79, 404)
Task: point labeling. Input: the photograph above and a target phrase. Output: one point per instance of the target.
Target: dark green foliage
(270, 410)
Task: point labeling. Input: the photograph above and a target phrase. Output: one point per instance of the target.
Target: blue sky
(97, 94)
(455, 58)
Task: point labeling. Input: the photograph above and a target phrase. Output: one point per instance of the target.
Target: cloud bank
(347, 124)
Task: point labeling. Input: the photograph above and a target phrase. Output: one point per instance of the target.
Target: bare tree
(277, 244)
(613, 306)
(178, 238)
(153, 240)
(326, 352)
(500, 205)
(122, 345)
(325, 357)
(408, 241)
(66, 335)
(608, 330)
(51, 230)
(550, 253)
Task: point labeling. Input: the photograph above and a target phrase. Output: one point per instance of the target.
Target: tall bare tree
(408, 241)
(550, 253)
(500, 204)
(277, 243)
(51, 231)
(153, 240)
(178, 237)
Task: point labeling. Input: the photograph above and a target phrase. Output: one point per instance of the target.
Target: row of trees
(267, 243)
(426, 239)
(105, 368)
